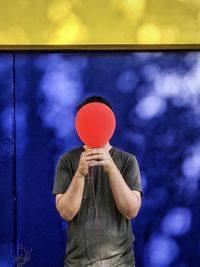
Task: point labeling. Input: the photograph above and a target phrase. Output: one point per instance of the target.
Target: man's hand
(84, 163)
(100, 157)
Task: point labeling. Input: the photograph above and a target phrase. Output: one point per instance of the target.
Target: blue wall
(156, 99)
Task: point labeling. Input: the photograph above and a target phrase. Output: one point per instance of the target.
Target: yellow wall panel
(99, 22)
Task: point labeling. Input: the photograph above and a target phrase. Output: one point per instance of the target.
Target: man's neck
(106, 146)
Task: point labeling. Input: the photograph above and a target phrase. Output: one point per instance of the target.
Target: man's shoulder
(72, 153)
(124, 154)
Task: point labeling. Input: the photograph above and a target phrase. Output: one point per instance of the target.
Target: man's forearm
(126, 201)
(70, 202)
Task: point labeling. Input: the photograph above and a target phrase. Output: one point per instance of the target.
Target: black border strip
(98, 47)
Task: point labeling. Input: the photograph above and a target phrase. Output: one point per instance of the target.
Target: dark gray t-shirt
(107, 241)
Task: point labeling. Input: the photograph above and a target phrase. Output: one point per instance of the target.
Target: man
(98, 210)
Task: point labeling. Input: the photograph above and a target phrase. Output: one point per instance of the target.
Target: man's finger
(97, 157)
(98, 163)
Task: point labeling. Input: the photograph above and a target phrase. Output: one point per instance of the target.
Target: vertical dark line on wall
(14, 184)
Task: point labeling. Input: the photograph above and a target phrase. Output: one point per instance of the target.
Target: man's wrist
(113, 170)
(79, 175)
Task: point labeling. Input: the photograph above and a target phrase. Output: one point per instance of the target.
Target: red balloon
(95, 124)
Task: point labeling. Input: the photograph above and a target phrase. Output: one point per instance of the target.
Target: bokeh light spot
(150, 106)
(127, 81)
(177, 221)
(162, 251)
(149, 34)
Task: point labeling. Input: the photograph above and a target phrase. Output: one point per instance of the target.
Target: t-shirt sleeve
(132, 174)
(62, 177)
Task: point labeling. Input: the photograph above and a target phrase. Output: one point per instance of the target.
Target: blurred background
(99, 22)
(156, 99)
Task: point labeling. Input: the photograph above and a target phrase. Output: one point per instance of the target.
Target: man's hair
(91, 99)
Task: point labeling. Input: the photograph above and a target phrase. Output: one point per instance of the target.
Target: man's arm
(68, 204)
(127, 201)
